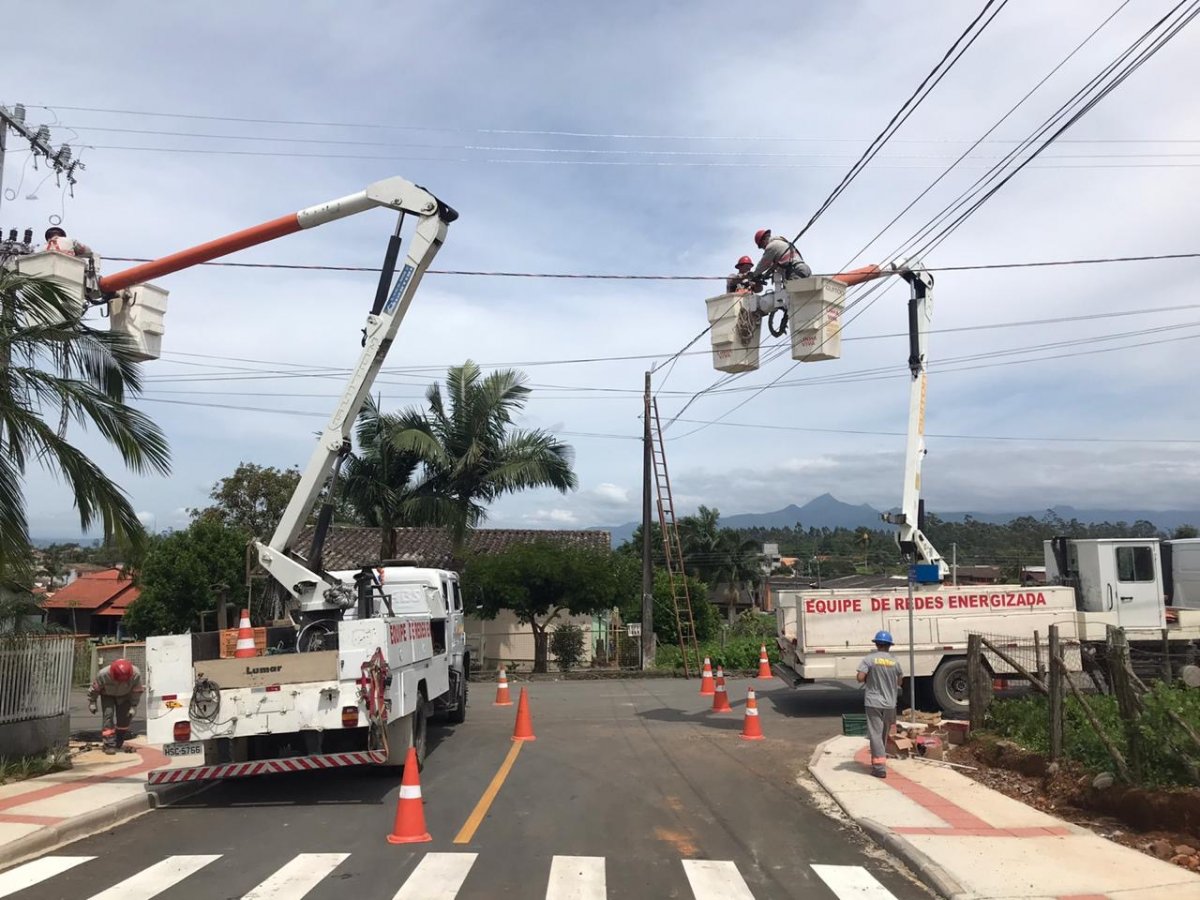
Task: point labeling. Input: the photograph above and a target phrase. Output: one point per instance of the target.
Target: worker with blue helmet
(881, 675)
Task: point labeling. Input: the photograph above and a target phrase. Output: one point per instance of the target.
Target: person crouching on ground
(880, 672)
(119, 687)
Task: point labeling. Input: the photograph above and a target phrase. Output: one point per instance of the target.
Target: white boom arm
(314, 590)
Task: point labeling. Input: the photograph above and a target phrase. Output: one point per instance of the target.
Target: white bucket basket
(68, 272)
(815, 318)
(138, 312)
(734, 345)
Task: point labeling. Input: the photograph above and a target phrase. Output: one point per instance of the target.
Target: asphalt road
(638, 773)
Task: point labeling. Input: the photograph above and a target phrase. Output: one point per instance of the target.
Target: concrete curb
(93, 821)
(929, 872)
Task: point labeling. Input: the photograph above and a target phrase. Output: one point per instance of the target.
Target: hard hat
(744, 261)
(883, 637)
(121, 669)
(54, 231)
(759, 235)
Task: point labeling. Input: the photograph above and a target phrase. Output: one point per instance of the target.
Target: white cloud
(611, 493)
(554, 517)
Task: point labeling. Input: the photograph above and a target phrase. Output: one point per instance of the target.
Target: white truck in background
(357, 660)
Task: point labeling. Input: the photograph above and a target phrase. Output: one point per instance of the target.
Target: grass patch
(22, 768)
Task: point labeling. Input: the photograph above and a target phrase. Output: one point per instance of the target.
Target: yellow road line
(485, 802)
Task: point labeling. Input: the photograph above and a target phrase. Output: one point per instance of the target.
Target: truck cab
(1121, 577)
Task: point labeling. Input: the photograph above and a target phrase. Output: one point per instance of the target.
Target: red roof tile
(92, 591)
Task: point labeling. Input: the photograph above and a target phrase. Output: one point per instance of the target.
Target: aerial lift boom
(314, 592)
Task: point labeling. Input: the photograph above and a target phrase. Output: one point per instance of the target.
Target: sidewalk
(969, 842)
(97, 792)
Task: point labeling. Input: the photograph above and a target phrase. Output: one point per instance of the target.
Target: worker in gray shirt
(880, 672)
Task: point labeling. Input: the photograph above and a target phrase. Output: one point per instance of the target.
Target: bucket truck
(1091, 584)
(363, 657)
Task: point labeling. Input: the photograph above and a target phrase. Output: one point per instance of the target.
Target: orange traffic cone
(751, 729)
(502, 698)
(245, 641)
(410, 808)
(720, 698)
(764, 665)
(706, 679)
(524, 729)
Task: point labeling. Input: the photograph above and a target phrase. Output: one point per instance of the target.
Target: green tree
(539, 581)
(379, 481)
(1183, 532)
(722, 557)
(252, 499)
(471, 452)
(567, 644)
(184, 574)
(56, 369)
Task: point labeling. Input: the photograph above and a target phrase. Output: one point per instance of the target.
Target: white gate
(35, 676)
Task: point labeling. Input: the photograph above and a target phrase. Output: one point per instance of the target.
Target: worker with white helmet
(780, 260)
(119, 687)
(882, 677)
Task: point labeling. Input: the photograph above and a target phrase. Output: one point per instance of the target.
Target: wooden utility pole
(647, 544)
(1056, 695)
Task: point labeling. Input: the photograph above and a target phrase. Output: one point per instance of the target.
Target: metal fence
(35, 677)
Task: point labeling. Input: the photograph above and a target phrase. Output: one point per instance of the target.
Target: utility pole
(647, 544)
(59, 160)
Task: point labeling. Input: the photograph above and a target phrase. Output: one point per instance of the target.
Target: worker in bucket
(780, 260)
(740, 280)
(58, 242)
(882, 677)
(119, 687)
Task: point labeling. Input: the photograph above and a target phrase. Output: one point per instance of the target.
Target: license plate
(189, 748)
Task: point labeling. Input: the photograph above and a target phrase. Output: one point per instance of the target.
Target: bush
(739, 653)
(566, 643)
(1026, 721)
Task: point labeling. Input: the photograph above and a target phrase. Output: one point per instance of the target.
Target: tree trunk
(540, 652)
(387, 543)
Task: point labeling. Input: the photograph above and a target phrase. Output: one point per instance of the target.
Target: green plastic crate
(854, 724)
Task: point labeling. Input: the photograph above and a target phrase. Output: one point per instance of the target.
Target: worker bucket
(138, 313)
(735, 331)
(67, 272)
(815, 318)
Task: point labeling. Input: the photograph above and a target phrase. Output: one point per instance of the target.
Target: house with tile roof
(92, 604)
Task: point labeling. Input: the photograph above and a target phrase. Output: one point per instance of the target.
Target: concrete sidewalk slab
(97, 792)
(972, 843)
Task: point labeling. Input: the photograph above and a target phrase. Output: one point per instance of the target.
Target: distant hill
(827, 511)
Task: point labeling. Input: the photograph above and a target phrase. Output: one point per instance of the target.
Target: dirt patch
(1131, 816)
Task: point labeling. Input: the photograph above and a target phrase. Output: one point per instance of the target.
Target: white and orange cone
(245, 642)
(764, 665)
(751, 727)
(720, 697)
(707, 684)
(502, 698)
(410, 808)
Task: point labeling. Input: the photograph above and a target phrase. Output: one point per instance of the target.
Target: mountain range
(827, 511)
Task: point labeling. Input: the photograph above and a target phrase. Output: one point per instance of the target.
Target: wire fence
(35, 677)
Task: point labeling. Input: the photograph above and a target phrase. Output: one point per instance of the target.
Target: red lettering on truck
(833, 605)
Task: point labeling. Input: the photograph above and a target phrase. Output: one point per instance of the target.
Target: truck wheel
(951, 689)
(458, 715)
(420, 729)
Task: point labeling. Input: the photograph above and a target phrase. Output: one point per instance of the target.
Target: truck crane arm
(312, 590)
(912, 540)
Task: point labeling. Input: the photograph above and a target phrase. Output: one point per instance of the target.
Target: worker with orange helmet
(780, 260)
(740, 280)
(119, 687)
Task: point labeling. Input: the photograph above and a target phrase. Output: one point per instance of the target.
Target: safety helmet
(744, 261)
(121, 670)
(54, 231)
(760, 237)
(883, 637)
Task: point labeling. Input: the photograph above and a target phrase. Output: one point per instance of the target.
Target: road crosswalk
(437, 876)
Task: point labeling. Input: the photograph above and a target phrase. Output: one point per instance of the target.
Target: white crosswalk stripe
(714, 879)
(298, 877)
(153, 880)
(576, 878)
(437, 877)
(35, 872)
(852, 883)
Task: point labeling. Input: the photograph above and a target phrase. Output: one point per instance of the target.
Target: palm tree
(864, 541)
(471, 453)
(56, 369)
(719, 556)
(379, 478)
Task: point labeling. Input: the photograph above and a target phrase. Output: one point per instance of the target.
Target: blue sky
(633, 138)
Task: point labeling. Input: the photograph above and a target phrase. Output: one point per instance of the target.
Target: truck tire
(950, 687)
(458, 715)
(420, 728)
